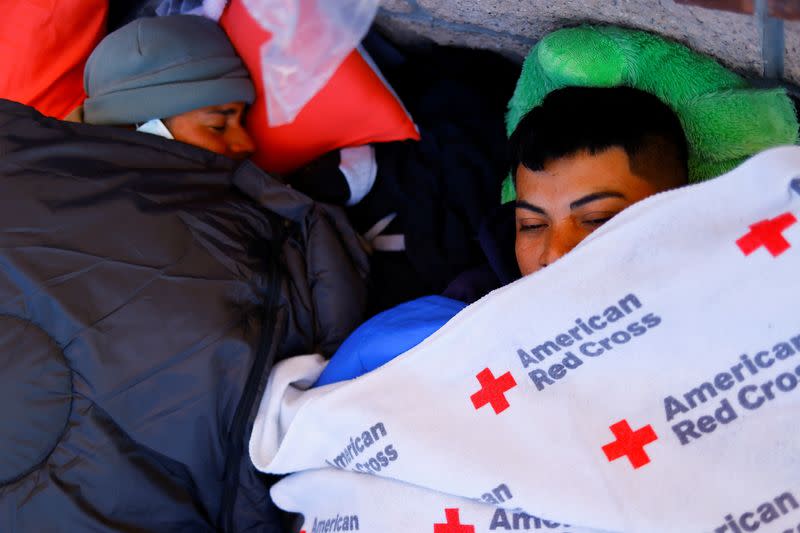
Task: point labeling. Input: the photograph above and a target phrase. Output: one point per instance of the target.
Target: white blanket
(647, 381)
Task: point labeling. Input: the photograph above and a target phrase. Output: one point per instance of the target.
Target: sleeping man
(582, 157)
(176, 76)
(578, 159)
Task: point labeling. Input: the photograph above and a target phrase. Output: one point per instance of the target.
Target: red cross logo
(768, 233)
(453, 524)
(493, 390)
(630, 443)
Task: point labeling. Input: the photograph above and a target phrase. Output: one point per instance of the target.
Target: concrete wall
(513, 26)
(792, 35)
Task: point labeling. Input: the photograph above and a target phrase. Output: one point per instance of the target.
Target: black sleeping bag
(147, 287)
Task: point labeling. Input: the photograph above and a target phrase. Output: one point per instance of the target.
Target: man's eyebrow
(522, 204)
(223, 112)
(595, 196)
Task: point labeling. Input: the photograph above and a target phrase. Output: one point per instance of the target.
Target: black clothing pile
(496, 237)
(442, 187)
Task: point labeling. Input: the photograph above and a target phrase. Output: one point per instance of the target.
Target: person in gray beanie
(176, 76)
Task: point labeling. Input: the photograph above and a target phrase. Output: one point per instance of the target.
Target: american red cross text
(453, 524)
(493, 390)
(630, 443)
(769, 234)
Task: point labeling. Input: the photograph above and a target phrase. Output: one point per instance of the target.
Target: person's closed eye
(597, 222)
(532, 227)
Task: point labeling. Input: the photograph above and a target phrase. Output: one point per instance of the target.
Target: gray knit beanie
(159, 67)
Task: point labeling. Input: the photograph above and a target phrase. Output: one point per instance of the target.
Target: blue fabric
(386, 335)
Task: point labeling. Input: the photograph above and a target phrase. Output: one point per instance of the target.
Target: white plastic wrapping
(207, 8)
(310, 39)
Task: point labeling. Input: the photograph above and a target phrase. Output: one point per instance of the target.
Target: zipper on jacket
(262, 365)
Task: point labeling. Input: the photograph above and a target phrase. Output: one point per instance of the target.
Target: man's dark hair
(574, 119)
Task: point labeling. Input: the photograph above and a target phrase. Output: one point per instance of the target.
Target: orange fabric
(353, 109)
(44, 45)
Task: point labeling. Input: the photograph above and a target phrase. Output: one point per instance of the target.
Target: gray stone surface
(399, 6)
(792, 58)
(409, 29)
(513, 26)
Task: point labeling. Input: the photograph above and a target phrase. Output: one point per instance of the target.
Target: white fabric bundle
(647, 381)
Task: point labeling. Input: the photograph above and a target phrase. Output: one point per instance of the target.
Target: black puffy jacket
(146, 288)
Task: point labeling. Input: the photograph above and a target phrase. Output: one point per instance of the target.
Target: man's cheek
(526, 252)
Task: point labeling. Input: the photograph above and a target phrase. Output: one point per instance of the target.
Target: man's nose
(240, 144)
(559, 242)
